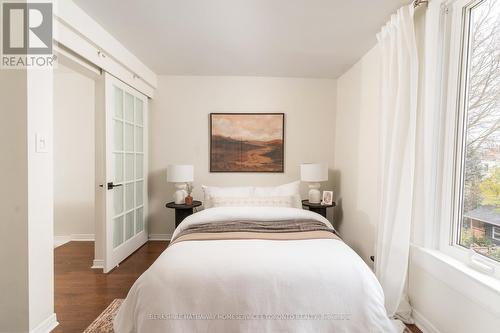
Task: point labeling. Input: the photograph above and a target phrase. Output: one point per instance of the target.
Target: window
(496, 233)
(477, 189)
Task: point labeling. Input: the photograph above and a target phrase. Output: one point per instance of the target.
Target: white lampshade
(180, 173)
(313, 172)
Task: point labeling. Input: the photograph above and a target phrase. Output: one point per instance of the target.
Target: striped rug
(104, 323)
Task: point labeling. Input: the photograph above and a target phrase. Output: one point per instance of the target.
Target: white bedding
(318, 285)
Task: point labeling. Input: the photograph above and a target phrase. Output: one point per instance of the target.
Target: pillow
(280, 201)
(290, 189)
(210, 192)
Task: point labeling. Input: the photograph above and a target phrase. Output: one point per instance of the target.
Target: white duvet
(318, 285)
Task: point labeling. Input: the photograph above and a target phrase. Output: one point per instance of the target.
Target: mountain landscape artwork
(247, 142)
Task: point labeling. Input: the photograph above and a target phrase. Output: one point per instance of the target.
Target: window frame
(495, 232)
(455, 49)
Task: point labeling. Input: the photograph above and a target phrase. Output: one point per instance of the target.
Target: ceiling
(290, 38)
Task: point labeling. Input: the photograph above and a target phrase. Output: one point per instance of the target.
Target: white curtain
(399, 88)
(430, 127)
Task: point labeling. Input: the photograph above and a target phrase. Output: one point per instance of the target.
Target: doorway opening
(75, 171)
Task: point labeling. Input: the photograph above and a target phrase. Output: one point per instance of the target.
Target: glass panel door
(126, 119)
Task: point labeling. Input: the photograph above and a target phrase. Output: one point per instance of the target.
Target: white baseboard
(47, 325)
(422, 323)
(83, 237)
(160, 237)
(61, 240)
(97, 264)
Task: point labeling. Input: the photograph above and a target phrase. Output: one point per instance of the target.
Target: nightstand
(182, 211)
(317, 207)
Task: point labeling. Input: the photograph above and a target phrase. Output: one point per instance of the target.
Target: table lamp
(314, 173)
(180, 175)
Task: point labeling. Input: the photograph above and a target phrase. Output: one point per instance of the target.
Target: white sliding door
(126, 171)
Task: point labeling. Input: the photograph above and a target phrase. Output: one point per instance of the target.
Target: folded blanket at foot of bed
(270, 230)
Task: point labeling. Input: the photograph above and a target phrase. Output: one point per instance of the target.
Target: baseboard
(160, 237)
(423, 324)
(61, 240)
(47, 325)
(83, 237)
(97, 264)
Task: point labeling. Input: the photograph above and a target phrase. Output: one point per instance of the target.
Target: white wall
(356, 154)
(26, 233)
(14, 298)
(179, 130)
(444, 299)
(40, 201)
(439, 307)
(74, 153)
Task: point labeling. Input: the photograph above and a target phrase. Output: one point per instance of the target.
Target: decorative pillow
(211, 192)
(280, 201)
(290, 189)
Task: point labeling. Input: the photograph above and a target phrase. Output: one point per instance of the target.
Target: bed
(215, 279)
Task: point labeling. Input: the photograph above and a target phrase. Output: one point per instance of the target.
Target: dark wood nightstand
(317, 207)
(182, 211)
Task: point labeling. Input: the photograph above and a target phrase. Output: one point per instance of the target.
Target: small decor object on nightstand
(183, 210)
(314, 173)
(327, 198)
(181, 175)
(189, 190)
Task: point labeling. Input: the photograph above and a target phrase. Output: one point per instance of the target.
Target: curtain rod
(417, 3)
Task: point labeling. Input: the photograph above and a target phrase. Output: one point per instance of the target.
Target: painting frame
(212, 157)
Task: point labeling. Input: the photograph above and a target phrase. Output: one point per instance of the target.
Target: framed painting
(247, 142)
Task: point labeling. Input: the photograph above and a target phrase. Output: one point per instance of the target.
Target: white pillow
(290, 189)
(210, 192)
(281, 201)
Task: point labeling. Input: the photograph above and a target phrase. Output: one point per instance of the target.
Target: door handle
(112, 186)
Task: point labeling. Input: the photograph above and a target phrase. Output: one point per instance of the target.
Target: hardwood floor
(82, 293)
(414, 329)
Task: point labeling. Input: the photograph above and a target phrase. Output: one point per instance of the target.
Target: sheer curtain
(399, 88)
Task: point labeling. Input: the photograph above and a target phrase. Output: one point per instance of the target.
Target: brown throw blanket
(270, 230)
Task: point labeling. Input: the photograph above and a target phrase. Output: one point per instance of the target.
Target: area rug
(104, 323)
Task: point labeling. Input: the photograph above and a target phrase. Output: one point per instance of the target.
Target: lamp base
(314, 193)
(181, 194)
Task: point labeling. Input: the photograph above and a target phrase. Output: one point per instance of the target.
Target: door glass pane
(138, 139)
(140, 193)
(118, 128)
(129, 167)
(118, 167)
(139, 220)
(129, 196)
(118, 199)
(129, 107)
(129, 137)
(139, 118)
(129, 225)
(117, 231)
(128, 158)
(139, 165)
(118, 103)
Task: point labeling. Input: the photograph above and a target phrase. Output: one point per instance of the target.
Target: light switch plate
(41, 145)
